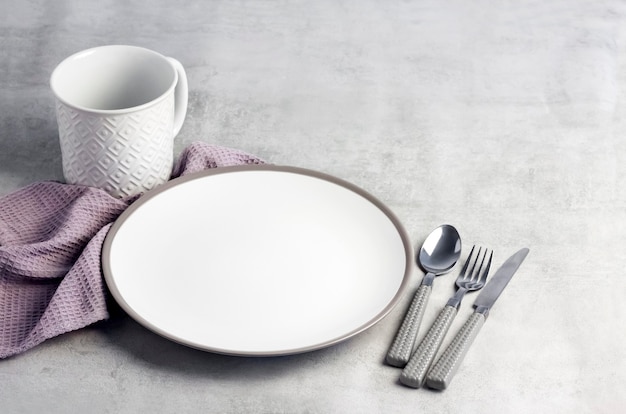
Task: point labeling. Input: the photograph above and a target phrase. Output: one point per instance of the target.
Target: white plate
(257, 260)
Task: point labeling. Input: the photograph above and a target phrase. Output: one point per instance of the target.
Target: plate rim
(119, 222)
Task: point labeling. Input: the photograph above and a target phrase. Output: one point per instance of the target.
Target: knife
(441, 374)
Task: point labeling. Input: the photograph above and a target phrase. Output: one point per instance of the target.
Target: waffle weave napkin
(51, 237)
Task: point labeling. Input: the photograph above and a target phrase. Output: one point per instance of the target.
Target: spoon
(438, 255)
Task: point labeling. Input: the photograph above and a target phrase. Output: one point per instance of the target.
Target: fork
(416, 369)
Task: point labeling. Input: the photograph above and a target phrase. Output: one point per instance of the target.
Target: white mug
(119, 109)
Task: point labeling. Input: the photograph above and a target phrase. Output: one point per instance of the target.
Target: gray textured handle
(400, 351)
(415, 371)
(440, 376)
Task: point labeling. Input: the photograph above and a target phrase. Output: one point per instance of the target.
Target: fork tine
(471, 273)
(483, 278)
(476, 276)
(467, 261)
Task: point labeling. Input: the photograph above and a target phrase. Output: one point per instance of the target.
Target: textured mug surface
(118, 111)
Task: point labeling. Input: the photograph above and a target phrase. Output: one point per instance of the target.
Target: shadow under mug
(119, 109)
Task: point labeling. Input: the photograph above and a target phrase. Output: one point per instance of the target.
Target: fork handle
(402, 346)
(440, 376)
(415, 371)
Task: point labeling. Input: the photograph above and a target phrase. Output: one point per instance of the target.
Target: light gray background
(506, 119)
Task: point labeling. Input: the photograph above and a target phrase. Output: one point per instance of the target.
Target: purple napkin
(51, 236)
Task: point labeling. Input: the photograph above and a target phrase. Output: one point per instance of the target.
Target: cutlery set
(417, 362)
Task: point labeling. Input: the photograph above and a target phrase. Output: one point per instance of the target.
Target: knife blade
(443, 371)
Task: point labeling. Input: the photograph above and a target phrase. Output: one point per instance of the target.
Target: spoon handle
(400, 351)
(415, 371)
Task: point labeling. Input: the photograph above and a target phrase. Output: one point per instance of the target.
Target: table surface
(505, 119)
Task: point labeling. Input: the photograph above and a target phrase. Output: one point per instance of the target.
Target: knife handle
(400, 351)
(440, 376)
(415, 371)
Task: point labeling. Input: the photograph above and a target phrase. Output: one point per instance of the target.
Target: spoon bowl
(441, 250)
(438, 255)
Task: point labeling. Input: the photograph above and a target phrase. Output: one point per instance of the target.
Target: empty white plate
(257, 260)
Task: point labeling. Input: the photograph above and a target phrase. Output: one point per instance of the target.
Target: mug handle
(181, 96)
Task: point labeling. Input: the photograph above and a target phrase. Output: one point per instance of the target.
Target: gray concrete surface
(506, 119)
